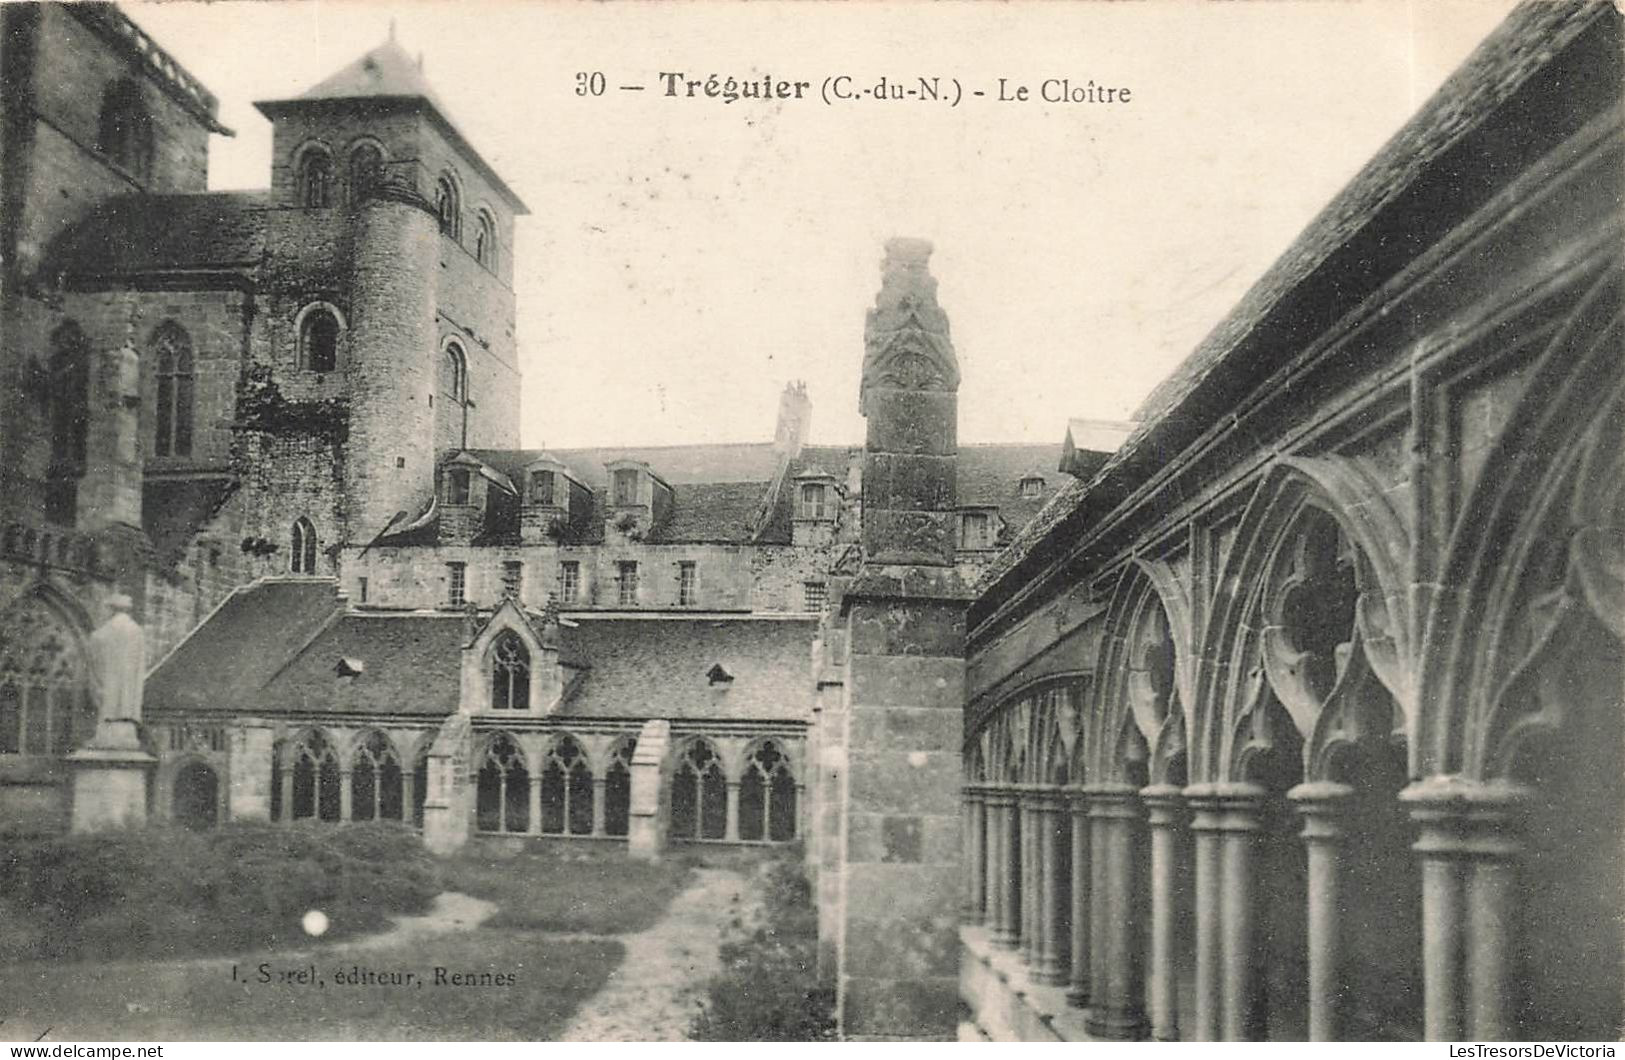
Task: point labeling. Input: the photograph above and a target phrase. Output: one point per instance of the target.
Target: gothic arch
(47, 703)
(1535, 558)
(1309, 617)
(1141, 694)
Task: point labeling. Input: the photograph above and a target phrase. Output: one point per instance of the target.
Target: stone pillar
(346, 796)
(409, 784)
(598, 809)
(1469, 844)
(1239, 807)
(1166, 815)
(1032, 884)
(1205, 898)
(1054, 951)
(248, 795)
(1011, 883)
(110, 774)
(904, 613)
(973, 855)
(446, 816)
(1118, 1010)
(533, 805)
(730, 830)
(993, 800)
(648, 816)
(287, 794)
(1077, 811)
(1322, 806)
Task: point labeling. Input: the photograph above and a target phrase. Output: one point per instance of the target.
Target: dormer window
(626, 486)
(1032, 487)
(975, 530)
(815, 501)
(457, 485)
(541, 488)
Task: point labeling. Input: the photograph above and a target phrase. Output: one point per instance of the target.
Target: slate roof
(239, 647)
(412, 660)
(656, 668)
(1446, 162)
(133, 234)
(385, 71)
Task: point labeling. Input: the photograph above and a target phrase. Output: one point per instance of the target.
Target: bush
(768, 988)
(165, 891)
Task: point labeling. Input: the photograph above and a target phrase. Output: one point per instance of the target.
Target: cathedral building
(289, 419)
(1290, 709)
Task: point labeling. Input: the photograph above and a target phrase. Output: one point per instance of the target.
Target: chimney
(795, 418)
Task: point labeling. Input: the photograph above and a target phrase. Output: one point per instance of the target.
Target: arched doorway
(196, 803)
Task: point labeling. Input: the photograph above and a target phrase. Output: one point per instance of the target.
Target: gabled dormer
(477, 502)
(515, 665)
(636, 501)
(816, 511)
(554, 505)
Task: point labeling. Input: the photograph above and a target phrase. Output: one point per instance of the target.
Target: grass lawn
(589, 889)
(198, 1000)
(533, 982)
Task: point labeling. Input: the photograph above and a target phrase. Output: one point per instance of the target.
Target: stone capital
(1323, 805)
(1462, 818)
(1164, 805)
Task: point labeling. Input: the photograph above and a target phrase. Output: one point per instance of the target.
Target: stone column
(1010, 856)
(1053, 950)
(1323, 805)
(1166, 816)
(1469, 844)
(409, 783)
(1118, 1010)
(971, 854)
(533, 806)
(598, 786)
(731, 829)
(1032, 877)
(1239, 824)
(993, 802)
(1204, 1026)
(1077, 812)
(287, 795)
(346, 796)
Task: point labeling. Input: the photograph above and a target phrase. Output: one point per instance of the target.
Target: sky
(685, 258)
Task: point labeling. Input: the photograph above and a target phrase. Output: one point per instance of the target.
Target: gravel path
(657, 989)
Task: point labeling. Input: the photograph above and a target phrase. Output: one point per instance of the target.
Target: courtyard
(548, 942)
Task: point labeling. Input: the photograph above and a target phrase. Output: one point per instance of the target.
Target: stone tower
(404, 233)
(893, 744)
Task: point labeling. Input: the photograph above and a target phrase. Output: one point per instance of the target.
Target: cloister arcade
(1342, 788)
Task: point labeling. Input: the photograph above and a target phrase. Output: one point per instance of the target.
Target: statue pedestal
(109, 787)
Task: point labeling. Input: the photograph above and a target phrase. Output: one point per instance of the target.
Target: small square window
(456, 584)
(814, 500)
(626, 486)
(541, 488)
(626, 580)
(457, 480)
(975, 531)
(814, 596)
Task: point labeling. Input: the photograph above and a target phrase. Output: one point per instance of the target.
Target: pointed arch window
(503, 793)
(767, 795)
(314, 779)
(618, 787)
(485, 240)
(124, 130)
(319, 330)
(45, 703)
(510, 673)
(172, 349)
(366, 172)
(315, 179)
(699, 794)
(448, 206)
(567, 790)
(70, 419)
(375, 780)
(454, 374)
(302, 558)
